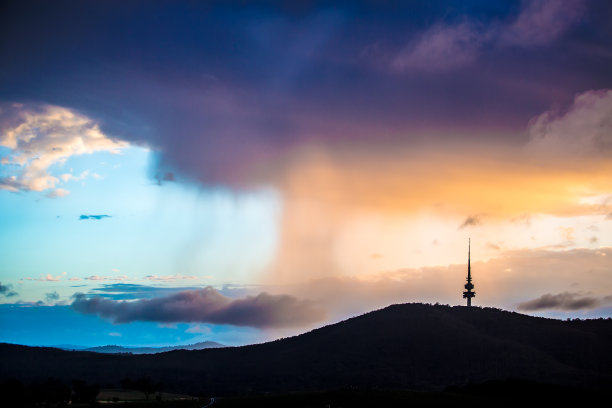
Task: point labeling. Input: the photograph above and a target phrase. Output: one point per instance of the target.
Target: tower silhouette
(469, 294)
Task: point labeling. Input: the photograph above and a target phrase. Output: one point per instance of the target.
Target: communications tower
(469, 294)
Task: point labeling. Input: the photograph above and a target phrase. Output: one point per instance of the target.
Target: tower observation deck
(469, 286)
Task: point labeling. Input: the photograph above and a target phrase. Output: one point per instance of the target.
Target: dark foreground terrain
(432, 354)
(487, 395)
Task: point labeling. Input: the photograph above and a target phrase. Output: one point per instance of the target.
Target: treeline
(57, 393)
(49, 393)
(146, 385)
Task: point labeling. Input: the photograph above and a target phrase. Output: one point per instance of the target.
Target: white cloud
(198, 328)
(107, 278)
(169, 277)
(96, 278)
(50, 278)
(167, 325)
(585, 128)
(58, 192)
(42, 136)
(66, 177)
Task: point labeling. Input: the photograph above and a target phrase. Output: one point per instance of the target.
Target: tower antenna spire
(469, 286)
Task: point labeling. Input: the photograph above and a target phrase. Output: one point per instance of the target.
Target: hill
(112, 349)
(408, 346)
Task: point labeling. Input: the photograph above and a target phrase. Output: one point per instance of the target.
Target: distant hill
(69, 347)
(408, 346)
(112, 349)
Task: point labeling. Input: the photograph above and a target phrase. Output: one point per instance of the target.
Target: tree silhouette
(145, 384)
(84, 392)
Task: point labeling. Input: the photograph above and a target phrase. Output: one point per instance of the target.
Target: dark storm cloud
(221, 87)
(561, 301)
(7, 290)
(206, 306)
(93, 216)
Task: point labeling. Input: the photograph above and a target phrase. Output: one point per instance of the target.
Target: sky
(175, 171)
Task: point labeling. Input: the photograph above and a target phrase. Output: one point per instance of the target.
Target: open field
(119, 395)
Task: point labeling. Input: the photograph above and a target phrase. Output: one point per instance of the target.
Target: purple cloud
(542, 21)
(561, 301)
(206, 306)
(446, 47)
(441, 48)
(248, 86)
(583, 129)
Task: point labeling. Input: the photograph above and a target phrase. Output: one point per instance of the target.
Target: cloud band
(206, 306)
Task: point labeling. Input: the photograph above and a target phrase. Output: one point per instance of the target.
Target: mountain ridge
(408, 346)
(115, 349)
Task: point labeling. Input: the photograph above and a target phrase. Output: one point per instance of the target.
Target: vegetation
(425, 348)
(498, 394)
(146, 385)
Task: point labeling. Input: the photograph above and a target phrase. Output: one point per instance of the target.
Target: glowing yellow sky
(354, 212)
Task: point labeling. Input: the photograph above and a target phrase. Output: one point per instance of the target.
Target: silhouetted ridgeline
(409, 346)
(112, 349)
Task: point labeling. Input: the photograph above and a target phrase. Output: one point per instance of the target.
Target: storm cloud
(206, 306)
(234, 106)
(561, 301)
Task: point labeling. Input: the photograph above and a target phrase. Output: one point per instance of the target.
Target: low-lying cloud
(131, 291)
(562, 301)
(7, 290)
(93, 216)
(206, 306)
(52, 297)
